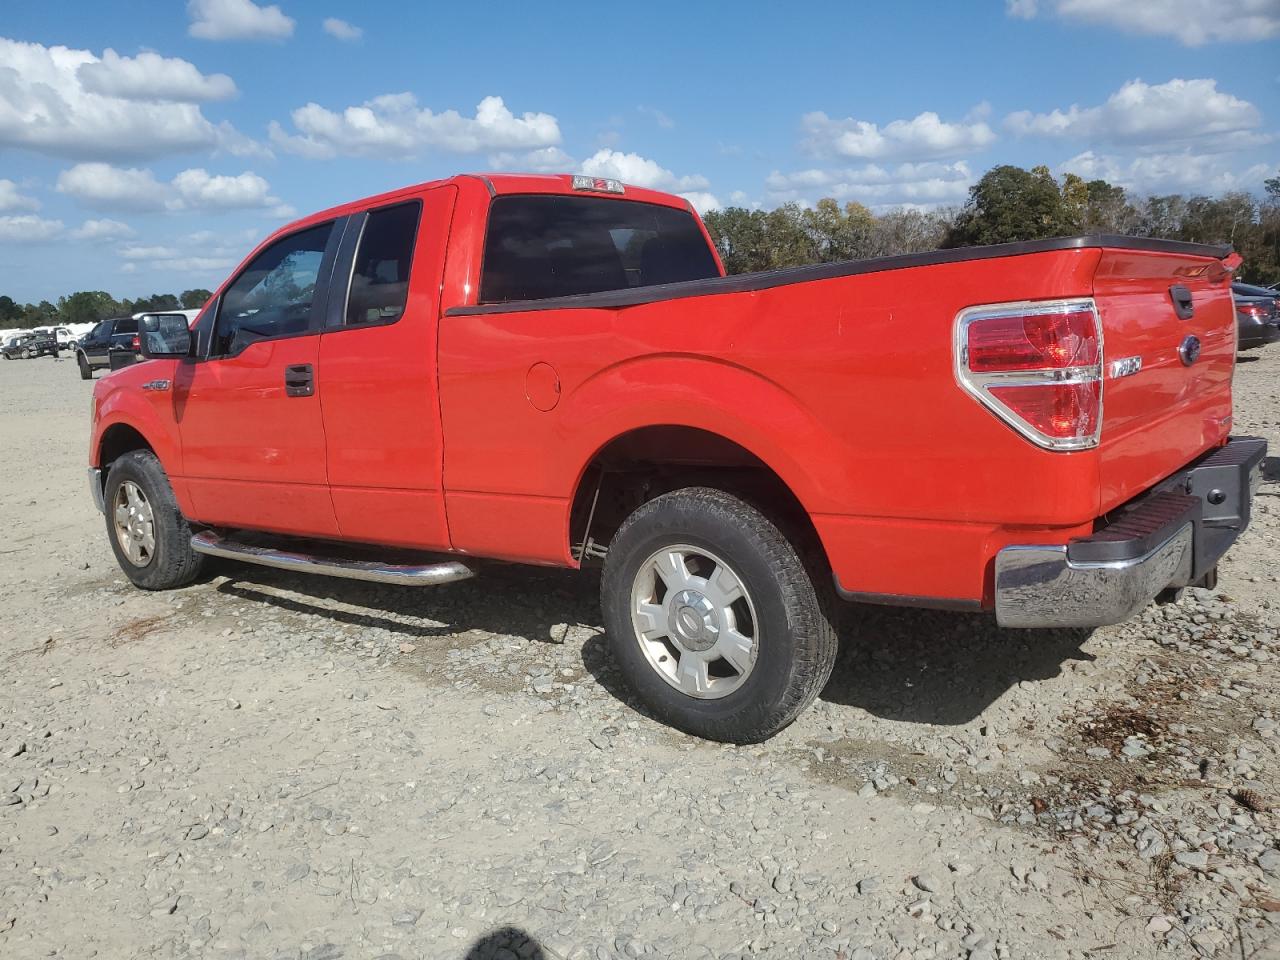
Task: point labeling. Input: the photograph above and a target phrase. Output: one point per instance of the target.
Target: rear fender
(717, 396)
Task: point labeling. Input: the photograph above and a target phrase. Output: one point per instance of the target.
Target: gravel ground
(271, 766)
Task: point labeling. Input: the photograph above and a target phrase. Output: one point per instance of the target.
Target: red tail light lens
(1034, 342)
(1038, 366)
(136, 343)
(1254, 311)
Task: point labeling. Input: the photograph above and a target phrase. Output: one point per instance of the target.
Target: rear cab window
(543, 246)
(380, 275)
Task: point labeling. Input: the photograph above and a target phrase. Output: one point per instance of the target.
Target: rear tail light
(1037, 366)
(135, 344)
(1255, 312)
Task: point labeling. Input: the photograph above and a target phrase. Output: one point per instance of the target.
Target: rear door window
(380, 275)
(555, 246)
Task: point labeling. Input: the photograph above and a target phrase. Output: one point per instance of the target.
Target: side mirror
(164, 336)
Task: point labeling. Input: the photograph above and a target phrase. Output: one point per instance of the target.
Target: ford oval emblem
(1189, 351)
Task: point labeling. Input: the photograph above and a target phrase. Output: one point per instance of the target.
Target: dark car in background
(29, 346)
(1257, 318)
(110, 345)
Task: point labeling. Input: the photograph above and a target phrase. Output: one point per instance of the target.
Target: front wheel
(714, 617)
(149, 535)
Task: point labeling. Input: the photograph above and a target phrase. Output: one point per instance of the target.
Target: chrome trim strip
(1039, 585)
(425, 575)
(95, 488)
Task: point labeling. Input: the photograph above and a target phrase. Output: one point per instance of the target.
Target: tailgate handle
(299, 380)
(1181, 297)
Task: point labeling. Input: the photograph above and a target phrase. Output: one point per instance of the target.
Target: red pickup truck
(554, 370)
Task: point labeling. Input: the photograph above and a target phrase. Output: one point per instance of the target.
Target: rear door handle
(299, 380)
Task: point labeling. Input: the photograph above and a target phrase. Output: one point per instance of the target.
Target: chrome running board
(413, 575)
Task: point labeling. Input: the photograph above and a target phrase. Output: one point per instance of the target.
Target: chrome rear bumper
(1042, 587)
(1171, 537)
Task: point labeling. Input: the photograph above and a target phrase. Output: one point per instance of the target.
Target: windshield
(553, 246)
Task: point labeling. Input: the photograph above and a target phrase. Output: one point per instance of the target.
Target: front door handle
(299, 380)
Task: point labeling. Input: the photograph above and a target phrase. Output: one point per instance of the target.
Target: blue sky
(146, 146)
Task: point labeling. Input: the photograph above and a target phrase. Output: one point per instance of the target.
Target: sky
(147, 145)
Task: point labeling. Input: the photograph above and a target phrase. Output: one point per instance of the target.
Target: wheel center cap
(693, 621)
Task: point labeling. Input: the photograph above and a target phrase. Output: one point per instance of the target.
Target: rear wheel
(714, 617)
(86, 371)
(149, 535)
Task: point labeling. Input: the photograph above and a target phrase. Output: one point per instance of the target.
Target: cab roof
(498, 184)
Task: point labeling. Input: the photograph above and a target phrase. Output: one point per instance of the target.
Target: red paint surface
(426, 432)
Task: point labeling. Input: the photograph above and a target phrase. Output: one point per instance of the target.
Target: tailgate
(1175, 312)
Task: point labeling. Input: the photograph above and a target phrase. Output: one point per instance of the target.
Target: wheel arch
(643, 462)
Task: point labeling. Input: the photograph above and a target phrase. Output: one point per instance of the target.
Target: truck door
(378, 360)
(248, 408)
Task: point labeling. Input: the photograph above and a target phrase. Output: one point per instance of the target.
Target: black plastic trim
(905, 600)
(1139, 531)
(750, 282)
(1180, 294)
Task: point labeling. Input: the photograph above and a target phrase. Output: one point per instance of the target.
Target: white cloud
(199, 190)
(1141, 114)
(702, 201)
(643, 172)
(28, 228)
(103, 230)
(922, 185)
(1193, 22)
(149, 76)
(11, 198)
(1168, 172)
(923, 137)
(341, 29)
(542, 160)
(135, 251)
(45, 105)
(104, 187)
(393, 125)
(237, 20)
(638, 170)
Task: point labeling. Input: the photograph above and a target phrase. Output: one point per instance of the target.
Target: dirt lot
(270, 766)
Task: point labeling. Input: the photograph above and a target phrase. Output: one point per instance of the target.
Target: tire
(783, 611)
(27, 354)
(86, 371)
(164, 559)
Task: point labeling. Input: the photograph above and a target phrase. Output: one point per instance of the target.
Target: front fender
(120, 401)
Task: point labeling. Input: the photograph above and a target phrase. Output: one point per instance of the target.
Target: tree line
(1007, 204)
(90, 306)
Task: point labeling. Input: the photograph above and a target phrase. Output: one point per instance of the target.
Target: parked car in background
(1257, 316)
(108, 346)
(66, 339)
(31, 345)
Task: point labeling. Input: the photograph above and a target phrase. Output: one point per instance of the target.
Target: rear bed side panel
(1168, 413)
(844, 385)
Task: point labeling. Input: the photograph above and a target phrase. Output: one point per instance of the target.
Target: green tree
(88, 306)
(195, 299)
(1009, 204)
